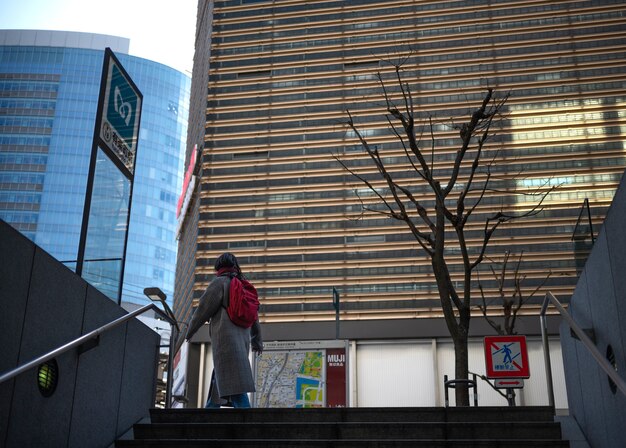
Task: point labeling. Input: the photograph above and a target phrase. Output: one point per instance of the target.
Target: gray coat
(230, 343)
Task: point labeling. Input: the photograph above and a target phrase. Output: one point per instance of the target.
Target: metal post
(200, 398)
(336, 302)
(445, 387)
(593, 238)
(475, 390)
(546, 356)
(170, 360)
(510, 396)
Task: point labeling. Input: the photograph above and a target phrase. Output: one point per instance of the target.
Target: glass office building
(49, 86)
(282, 75)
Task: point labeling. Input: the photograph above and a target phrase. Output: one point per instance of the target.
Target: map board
(311, 374)
(506, 357)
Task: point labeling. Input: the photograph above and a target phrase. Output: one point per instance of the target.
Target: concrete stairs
(510, 427)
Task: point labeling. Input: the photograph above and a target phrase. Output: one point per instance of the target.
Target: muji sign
(506, 357)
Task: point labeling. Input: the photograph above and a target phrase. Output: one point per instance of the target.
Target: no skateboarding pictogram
(506, 357)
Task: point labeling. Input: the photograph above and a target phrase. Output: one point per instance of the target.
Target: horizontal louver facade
(282, 75)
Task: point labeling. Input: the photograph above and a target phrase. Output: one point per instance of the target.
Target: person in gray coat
(230, 344)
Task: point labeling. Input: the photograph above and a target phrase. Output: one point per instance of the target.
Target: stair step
(331, 443)
(480, 414)
(458, 427)
(349, 430)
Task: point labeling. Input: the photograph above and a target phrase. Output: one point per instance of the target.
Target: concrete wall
(599, 303)
(102, 392)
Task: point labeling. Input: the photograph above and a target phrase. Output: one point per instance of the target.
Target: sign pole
(116, 135)
(510, 396)
(80, 256)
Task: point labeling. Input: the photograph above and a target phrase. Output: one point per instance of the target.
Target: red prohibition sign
(506, 357)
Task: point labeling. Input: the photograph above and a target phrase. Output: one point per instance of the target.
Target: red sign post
(336, 378)
(506, 357)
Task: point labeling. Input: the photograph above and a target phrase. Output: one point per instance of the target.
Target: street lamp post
(156, 295)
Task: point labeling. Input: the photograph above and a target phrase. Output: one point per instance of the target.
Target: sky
(159, 30)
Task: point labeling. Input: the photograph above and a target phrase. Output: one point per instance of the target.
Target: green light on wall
(47, 377)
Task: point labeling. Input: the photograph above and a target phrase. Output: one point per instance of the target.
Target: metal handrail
(91, 335)
(602, 362)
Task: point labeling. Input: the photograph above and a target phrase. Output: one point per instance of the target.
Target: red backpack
(243, 304)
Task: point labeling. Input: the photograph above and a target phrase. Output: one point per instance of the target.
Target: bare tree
(510, 295)
(437, 201)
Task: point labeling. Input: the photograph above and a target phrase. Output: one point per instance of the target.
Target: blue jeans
(238, 401)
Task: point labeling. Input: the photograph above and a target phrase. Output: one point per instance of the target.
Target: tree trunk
(461, 392)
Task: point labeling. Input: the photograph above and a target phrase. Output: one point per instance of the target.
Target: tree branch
(466, 132)
(500, 218)
(483, 309)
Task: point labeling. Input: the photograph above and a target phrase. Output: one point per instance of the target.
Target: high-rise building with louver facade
(282, 75)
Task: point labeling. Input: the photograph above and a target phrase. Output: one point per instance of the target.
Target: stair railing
(582, 336)
(88, 336)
